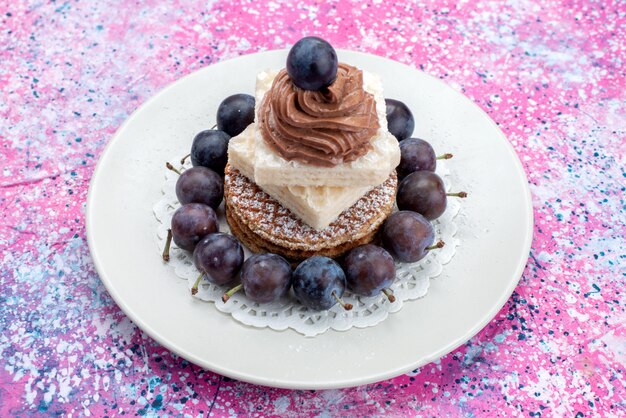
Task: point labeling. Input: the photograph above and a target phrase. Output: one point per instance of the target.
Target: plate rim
(283, 383)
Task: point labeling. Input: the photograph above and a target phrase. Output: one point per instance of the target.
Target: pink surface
(550, 73)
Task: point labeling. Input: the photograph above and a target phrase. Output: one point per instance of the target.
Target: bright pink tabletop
(551, 74)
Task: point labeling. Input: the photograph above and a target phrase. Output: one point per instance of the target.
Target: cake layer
(262, 222)
(371, 169)
(317, 206)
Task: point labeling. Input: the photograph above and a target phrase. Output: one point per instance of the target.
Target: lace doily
(412, 279)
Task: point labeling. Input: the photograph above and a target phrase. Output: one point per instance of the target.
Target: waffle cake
(315, 174)
(262, 224)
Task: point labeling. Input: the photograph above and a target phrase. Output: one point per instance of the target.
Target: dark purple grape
(210, 149)
(220, 257)
(406, 235)
(400, 122)
(317, 280)
(235, 113)
(415, 155)
(312, 63)
(423, 192)
(369, 269)
(265, 277)
(200, 185)
(191, 223)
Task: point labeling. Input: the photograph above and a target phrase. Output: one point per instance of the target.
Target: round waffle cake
(264, 225)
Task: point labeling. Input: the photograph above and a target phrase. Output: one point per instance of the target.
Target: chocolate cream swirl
(322, 128)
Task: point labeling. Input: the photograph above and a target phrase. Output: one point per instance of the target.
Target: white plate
(495, 232)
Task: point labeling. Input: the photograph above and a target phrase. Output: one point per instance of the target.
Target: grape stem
(439, 244)
(166, 250)
(346, 306)
(194, 288)
(182, 160)
(458, 194)
(214, 126)
(171, 167)
(231, 292)
(446, 156)
(389, 293)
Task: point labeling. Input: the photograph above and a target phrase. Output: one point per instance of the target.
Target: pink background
(550, 73)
